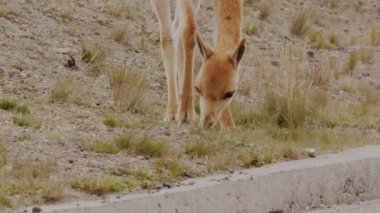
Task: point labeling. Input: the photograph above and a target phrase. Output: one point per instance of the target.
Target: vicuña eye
(229, 95)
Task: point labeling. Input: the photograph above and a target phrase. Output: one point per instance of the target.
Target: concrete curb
(295, 186)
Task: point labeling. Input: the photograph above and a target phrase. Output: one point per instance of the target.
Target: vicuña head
(217, 83)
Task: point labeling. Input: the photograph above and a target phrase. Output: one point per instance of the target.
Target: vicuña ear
(204, 48)
(239, 52)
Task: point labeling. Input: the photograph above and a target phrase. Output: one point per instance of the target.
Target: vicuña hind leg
(186, 112)
(162, 10)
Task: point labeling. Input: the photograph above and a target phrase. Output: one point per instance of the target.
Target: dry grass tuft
(94, 56)
(3, 155)
(375, 35)
(63, 89)
(53, 191)
(120, 35)
(251, 29)
(129, 90)
(299, 24)
(320, 75)
(25, 178)
(351, 63)
(367, 55)
(287, 96)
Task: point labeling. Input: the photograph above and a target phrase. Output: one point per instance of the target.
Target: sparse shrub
(99, 186)
(375, 35)
(265, 8)
(120, 35)
(299, 24)
(7, 104)
(129, 90)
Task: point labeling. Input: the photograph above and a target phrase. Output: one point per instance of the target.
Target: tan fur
(219, 72)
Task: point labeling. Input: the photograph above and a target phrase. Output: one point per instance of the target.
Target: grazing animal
(217, 79)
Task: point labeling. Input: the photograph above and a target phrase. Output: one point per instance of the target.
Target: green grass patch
(104, 147)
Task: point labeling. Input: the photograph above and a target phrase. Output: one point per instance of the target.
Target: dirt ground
(37, 38)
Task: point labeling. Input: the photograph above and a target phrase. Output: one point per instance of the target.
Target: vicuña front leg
(186, 112)
(162, 10)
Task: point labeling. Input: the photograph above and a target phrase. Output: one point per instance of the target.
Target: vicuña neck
(228, 24)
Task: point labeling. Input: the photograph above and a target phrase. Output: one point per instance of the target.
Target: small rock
(277, 211)
(71, 161)
(36, 209)
(166, 185)
(71, 63)
(63, 50)
(310, 54)
(275, 63)
(311, 152)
